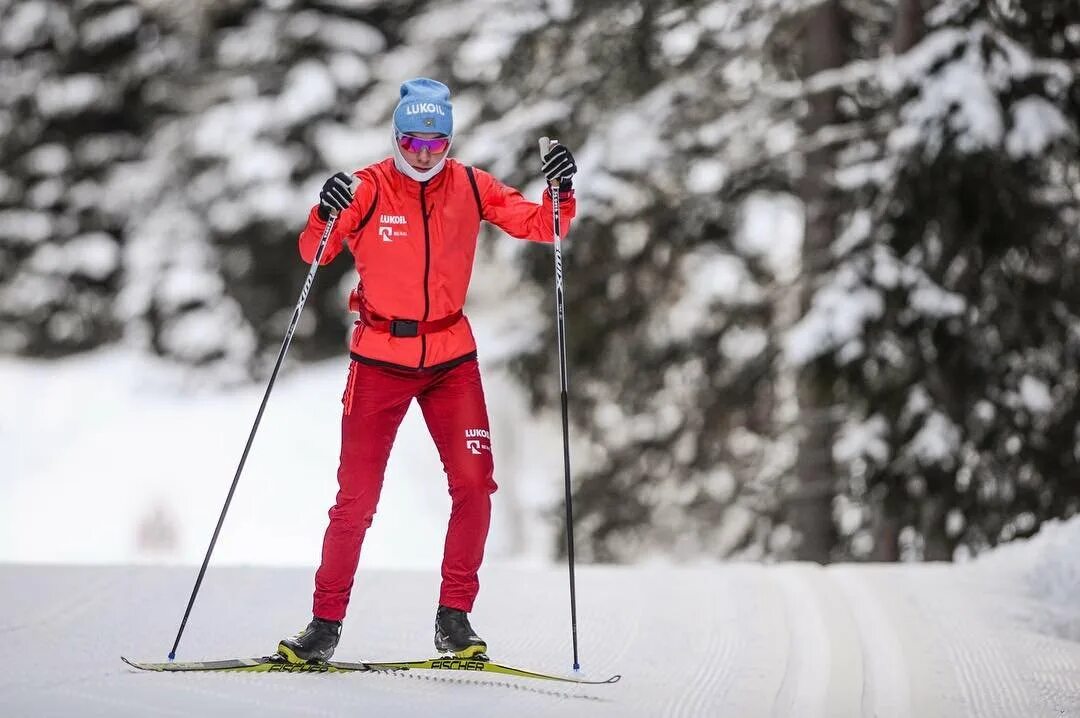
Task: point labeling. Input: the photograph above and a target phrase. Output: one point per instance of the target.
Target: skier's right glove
(336, 195)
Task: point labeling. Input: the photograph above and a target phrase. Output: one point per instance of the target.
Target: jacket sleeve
(347, 225)
(506, 208)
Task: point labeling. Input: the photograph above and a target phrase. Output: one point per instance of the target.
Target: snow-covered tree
(684, 228)
(77, 97)
(946, 322)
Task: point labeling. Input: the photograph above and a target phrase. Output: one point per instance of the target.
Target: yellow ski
(276, 664)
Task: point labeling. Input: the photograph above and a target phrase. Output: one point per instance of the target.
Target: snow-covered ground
(984, 639)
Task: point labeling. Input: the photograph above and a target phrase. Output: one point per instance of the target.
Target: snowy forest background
(822, 289)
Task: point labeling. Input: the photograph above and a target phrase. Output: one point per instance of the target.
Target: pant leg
(456, 416)
(375, 402)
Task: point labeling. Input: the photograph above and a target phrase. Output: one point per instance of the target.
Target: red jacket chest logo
(393, 226)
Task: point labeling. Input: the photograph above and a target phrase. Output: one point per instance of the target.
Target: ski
(276, 664)
(466, 664)
(266, 664)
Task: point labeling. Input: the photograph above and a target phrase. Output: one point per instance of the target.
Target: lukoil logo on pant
(477, 439)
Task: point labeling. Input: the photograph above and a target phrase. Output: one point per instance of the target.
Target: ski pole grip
(545, 147)
(353, 186)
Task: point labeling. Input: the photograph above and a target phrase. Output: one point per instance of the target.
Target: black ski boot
(454, 635)
(313, 644)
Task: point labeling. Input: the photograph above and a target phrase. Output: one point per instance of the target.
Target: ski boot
(314, 644)
(454, 636)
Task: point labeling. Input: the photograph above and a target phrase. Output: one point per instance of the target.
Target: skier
(411, 223)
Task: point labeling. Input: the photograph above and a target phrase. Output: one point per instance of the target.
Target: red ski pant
(375, 402)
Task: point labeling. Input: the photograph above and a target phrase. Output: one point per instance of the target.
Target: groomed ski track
(741, 640)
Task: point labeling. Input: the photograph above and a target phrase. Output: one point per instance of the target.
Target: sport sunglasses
(434, 145)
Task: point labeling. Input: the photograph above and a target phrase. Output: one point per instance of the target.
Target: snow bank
(1047, 567)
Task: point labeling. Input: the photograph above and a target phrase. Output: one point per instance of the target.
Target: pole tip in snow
(577, 668)
(172, 655)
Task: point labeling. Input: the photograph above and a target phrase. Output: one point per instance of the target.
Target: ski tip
(614, 679)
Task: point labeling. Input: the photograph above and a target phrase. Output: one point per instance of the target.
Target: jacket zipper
(427, 269)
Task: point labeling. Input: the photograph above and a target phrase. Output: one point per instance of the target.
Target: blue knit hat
(424, 107)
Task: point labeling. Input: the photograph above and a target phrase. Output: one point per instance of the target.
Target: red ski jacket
(413, 244)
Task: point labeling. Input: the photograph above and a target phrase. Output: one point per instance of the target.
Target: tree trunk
(809, 508)
(909, 25)
(907, 33)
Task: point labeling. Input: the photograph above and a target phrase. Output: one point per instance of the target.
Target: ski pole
(258, 417)
(560, 322)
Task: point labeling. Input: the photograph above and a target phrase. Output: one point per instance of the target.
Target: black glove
(336, 195)
(559, 166)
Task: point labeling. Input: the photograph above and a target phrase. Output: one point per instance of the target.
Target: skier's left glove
(558, 165)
